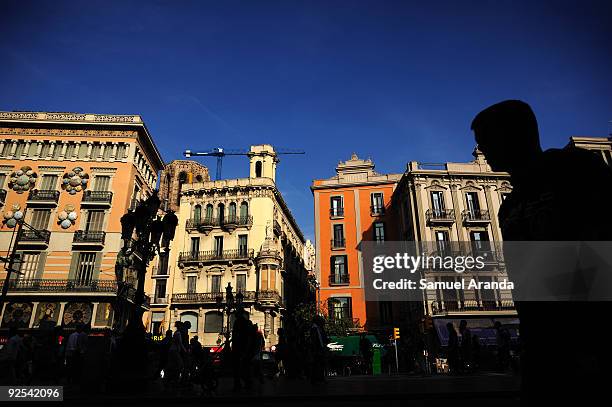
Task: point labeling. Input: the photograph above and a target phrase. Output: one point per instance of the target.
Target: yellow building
(236, 231)
(71, 177)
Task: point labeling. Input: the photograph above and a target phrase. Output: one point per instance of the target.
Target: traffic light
(396, 333)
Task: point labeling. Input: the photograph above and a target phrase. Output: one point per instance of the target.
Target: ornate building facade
(233, 231)
(71, 177)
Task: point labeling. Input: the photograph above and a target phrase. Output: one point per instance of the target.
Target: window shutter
(73, 265)
(97, 266)
(42, 259)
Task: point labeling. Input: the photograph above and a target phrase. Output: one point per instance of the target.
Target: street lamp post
(231, 304)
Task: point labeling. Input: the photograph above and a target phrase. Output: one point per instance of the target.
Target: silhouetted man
(558, 195)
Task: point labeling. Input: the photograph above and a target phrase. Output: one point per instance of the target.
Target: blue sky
(394, 81)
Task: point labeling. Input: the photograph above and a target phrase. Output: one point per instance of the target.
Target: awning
(348, 345)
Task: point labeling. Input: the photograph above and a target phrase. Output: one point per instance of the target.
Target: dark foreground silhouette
(558, 194)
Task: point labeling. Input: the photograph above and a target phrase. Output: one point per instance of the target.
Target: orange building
(71, 177)
(352, 207)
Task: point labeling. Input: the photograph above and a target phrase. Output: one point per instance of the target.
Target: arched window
(209, 212)
(244, 211)
(258, 169)
(192, 317)
(233, 316)
(199, 178)
(221, 213)
(197, 213)
(232, 212)
(213, 322)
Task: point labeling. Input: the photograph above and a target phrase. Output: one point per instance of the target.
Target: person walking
(318, 349)
(241, 351)
(453, 349)
(466, 346)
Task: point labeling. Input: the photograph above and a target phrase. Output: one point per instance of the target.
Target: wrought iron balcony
(213, 255)
(210, 223)
(35, 236)
(339, 279)
(376, 210)
(43, 195)
(210, 297)
(476, 216)
(88, 236)
(97, 197)
(336, 212)
(3, 195)
(442, 307)
(269, 296)
(58, 286)
(339, 243)
(440, 215)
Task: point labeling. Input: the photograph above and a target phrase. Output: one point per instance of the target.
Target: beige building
(70, 176)
(601, 145)
(454, 206)
(236, 231)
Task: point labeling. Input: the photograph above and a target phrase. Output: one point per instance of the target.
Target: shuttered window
(95, 221)
(85, 267)
(101, 183)
(40, 219)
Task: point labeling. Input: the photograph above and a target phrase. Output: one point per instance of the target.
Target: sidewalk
(471, 389)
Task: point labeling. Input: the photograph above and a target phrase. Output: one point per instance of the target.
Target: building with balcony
(71, 177)
(352, 207)
(231, 231)
(452, 208)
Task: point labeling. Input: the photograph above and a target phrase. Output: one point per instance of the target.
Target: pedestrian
(241, 350)
(75, 351)
(258, 345)
(453, 349)
(12, 354)
(175, 364)
(318, 350)
(502, 337)
(365, 349)
(475, 352)
(280, 356)
(466, 346)
(164, 347)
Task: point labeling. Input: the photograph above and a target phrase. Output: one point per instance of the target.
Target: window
(163, 264)
(473, 206)
(242, 245)
(69, 151)
(48, 182)
(44, 150)
(241, 282)
(339, 270)
(338, 240)
(480, 240)
(85, 267)
(219, 245)
(244, 212)
(28, 266)
(121, 149)
(442, 242)
(386, 312)
(157, 320)
(40, 219)
(192, 318)
(197, 213)
(195, 245)
(437, 203)
(101, 183)
(213, 322)
(94, 221)
(107, 151)
(209, 212)
(95, 151)
(19, 149)
(2, 180)
(57, 150)
(82, 151)
(378, 205)
(104, 314)
(379, 232)
(232, 212)
(160, 290)
(337, 207)
(258, 169)
(191, 284)
(340, 308)
(215, 284)
(221, 213)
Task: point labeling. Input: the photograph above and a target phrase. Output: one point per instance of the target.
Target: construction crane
(220, 152)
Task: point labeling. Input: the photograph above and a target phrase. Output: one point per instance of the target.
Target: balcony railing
(43, 195)
(98, 197)
(211, 297)
(336, 212)
(88, 236)
(339, 279)
(441, 307)
(440, 215)
(2, 195)
(268, 296)
(213, 255)
(58, 286)
(338, 243)
(35, 236)
(480, 215)
(377, 210)
(216, 222)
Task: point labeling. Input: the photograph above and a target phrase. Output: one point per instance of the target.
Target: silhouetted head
(507, 134)
(462, 324)
(169, 333)
(497, 324)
